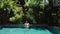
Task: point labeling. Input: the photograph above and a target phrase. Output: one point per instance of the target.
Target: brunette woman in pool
(27, 24)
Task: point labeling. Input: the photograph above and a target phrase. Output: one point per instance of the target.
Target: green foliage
(53, 14)
(13, 19)
(11, 5)
(35, 9)
(32, 14)
(34, 3)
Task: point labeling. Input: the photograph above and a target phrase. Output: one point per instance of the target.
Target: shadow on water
(54, 30)
(39, 28)
(1, 27)
(11, 26)
(22, 26)
(50, 29)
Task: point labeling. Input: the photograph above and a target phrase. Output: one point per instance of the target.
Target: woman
(27, 25)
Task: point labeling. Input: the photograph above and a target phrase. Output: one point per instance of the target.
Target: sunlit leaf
(13, 19)
(54, 14)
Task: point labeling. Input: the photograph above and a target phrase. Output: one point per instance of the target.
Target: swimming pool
(22, 30)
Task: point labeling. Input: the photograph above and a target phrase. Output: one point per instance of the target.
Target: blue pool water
(24, 31)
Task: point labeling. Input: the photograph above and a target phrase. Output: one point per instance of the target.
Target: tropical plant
(12, 6)
(35, 9)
